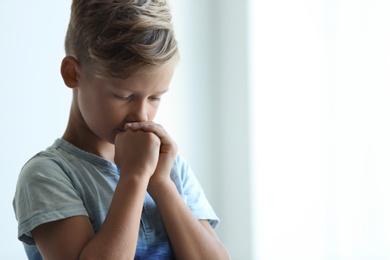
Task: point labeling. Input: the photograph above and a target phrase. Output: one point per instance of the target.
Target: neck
(89, 144)
(78, 134)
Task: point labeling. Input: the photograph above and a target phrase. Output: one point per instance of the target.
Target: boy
(113, 187)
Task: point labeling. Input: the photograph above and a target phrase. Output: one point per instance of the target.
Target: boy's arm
(190, 238)
(74, 238)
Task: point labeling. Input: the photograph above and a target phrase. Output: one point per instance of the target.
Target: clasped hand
(145, 148)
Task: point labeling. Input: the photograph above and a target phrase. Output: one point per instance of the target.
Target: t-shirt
(64, 181)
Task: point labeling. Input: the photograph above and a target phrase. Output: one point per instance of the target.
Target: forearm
(188, 237)
(117, 237)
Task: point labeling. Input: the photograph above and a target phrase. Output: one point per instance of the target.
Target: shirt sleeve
(44, 193)
(192, 192)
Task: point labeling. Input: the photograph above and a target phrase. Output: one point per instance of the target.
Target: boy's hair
(121, 38)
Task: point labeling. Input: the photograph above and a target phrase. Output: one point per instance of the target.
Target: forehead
(157, 79)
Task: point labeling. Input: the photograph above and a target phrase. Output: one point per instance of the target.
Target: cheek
(112, 113)
(98, 112)
(153, 111)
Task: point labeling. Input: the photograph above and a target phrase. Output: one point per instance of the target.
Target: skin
(114, 119)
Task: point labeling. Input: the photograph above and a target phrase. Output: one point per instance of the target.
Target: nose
(138, 111)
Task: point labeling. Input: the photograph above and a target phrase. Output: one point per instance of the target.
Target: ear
(70, 70)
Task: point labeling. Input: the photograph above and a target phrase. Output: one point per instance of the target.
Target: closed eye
(130, 97)
(152, 98)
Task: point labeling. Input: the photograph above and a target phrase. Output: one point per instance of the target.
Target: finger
(150, 126)
(157, 130)
(167, 142)
(136, 125)
(168, 145)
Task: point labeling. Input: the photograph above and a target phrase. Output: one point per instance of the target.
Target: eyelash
(155, 98)
(124, 98)
(132, 96)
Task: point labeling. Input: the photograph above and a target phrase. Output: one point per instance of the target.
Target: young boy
(113, 186)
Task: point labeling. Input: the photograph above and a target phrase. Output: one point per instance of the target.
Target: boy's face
(105, 105)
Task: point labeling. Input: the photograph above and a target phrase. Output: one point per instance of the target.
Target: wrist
(158, 189)
(140, 177)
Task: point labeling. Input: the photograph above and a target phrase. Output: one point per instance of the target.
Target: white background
(321, 124)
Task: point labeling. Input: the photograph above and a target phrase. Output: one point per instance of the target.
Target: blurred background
(281, 107)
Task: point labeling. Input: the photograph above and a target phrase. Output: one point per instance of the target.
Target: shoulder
(183, 176)
(180, 163)
(192, 192)
(181, 169)
(44, 193)
(43, 164)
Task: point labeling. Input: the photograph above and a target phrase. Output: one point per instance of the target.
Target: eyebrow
(162, 92)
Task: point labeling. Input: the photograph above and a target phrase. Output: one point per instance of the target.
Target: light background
(281, 107)
(320, 122)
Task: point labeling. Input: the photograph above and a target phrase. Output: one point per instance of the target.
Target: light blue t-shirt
(64, 181)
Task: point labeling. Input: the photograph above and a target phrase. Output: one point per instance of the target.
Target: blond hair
(121, 38)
